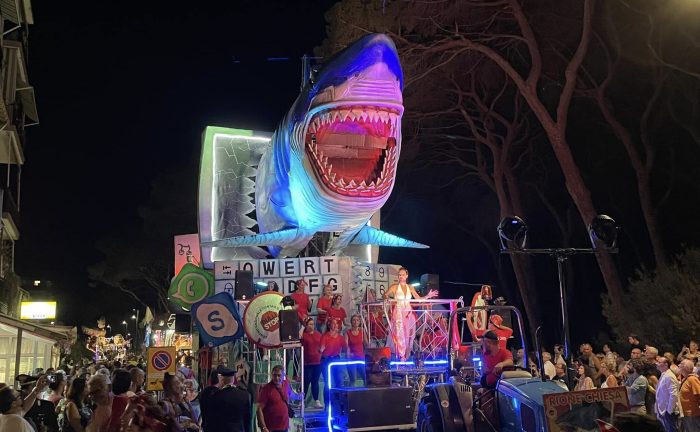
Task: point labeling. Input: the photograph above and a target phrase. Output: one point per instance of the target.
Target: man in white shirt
(668, 406)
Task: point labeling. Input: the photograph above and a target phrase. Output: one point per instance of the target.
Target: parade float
(304, 202)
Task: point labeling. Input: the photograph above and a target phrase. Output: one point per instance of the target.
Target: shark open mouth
(353, 149)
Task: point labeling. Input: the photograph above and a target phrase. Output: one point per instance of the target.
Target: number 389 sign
(217, 319)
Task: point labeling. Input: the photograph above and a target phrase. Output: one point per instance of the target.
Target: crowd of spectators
(662, 385)
(98, 397)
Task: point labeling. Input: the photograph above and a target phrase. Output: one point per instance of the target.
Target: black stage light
(288, 301)
(512, 231)
(603, 230)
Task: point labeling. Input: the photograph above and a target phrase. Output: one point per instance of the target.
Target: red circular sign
(261, 319)
(161, 361)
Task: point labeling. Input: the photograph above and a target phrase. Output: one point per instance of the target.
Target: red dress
(356, 345)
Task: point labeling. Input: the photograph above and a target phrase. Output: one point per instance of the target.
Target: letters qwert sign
(217, 319)
(160, 361)
(262, 321)
(193, 284)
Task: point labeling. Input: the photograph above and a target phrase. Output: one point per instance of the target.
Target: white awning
(10, 148)
(17, 11)
(29, 104)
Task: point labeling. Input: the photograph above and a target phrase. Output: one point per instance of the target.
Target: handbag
(290, 411)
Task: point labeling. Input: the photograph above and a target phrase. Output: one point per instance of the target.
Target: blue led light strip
(330, 381)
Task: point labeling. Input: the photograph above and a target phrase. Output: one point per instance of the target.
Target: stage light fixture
(603, 231)
(288, 302)
(512, 233)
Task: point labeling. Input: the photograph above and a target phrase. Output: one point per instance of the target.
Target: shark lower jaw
(354, 149)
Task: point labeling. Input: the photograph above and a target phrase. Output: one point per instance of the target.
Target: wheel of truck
(428, 417)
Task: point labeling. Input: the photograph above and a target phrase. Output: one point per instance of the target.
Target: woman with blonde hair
(404, 318)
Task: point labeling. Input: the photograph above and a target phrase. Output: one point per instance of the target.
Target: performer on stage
(356, 349)
(404, 329)
(477, 321)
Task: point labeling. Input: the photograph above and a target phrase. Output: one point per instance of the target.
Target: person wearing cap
(206, 396)
(43, 411)
(504, 333)
(494, 359)
(231, 407)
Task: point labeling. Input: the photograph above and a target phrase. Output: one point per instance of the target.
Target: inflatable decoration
(329, 166)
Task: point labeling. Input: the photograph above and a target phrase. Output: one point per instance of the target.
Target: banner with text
(578, 410)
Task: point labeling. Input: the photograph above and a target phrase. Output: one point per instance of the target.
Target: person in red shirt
(337, 312)
(494, 359)
(302, 304)
(433, 342)
(322, 307)
(332, 345)
(377, 327)
(311, 340)
(273, 400)
(503, 332)
(355, 339)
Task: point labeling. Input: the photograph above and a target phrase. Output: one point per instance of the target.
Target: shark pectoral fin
(285, 237)
(373, 236)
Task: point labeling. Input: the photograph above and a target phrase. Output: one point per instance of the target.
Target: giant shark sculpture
(331, 163)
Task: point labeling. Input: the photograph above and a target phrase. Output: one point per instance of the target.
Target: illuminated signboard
(38, 310)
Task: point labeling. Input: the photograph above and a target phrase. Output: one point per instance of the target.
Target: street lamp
(136, 329)
(125, 326)
(108, 327)
(512, 233)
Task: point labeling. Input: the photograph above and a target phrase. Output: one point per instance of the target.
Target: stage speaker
(382, 408)
(429, 281)
(244, 289)
(289, 326)
(377, 371)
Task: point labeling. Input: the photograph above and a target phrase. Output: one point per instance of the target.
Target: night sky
(124, 93)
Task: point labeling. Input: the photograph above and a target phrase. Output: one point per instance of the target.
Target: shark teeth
(355, 114)
(384, 122)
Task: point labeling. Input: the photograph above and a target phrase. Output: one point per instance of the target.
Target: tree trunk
(584, 204)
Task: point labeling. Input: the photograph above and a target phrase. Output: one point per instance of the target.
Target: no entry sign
(160, 361)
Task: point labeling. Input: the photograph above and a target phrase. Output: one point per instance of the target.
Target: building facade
(17, 112)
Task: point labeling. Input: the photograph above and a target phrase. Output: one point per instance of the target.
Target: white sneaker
(317, 404)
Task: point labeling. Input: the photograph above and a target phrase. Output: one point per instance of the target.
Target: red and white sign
(261, 319)
(160, 361)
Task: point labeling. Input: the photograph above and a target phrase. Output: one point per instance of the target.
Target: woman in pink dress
(404, 325)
